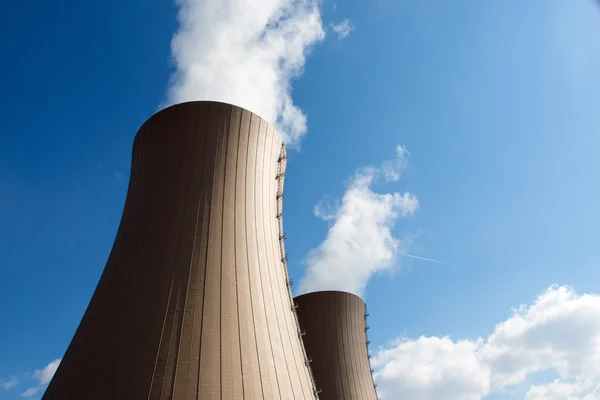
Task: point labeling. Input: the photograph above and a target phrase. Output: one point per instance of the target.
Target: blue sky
(495, 104)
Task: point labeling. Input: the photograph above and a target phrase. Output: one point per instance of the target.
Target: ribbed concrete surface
(193, 302)
(335, 338)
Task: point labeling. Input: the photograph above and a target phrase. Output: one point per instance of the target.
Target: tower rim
(325, 292)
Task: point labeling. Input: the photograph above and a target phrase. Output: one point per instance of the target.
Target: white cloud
(44, 376)
(360, 241)
(559, 390)
(30, 392)
(594, 395)
(555, 390)
(431, 368)
(343, 29)
(559, 332)
(246, 53)
(9, 383)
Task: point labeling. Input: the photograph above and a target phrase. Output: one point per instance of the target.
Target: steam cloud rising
(245, 53)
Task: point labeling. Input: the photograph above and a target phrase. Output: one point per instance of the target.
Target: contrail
(424, 259)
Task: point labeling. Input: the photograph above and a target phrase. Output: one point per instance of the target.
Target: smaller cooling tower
(334, 332)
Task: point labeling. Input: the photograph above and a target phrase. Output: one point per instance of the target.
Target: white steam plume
(245, 52)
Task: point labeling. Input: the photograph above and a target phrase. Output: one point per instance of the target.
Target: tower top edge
(200, 103)
(328, 293)
(191, 106)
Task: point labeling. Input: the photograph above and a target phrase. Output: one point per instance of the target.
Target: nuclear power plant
(195, 300)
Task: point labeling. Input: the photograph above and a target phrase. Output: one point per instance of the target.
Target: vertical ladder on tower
(368, 342)
(281, 164)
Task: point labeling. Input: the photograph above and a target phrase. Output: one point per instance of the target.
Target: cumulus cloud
(246, 53)
(9, 383)
(430, 368)
(360, 241)
(343, 29)
(559, 332)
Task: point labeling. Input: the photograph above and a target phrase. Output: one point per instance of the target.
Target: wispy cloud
(343, 29)
(30, 392)
(360, 241)
(9, 383)
(327, 208)
(42, 376)
(246, 53)
(391, 169)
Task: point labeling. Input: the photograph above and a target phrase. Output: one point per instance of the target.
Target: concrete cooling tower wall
(194, 302)
(334, 335)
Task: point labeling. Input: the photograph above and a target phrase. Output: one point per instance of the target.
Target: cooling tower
(194, 301)
(334, 334)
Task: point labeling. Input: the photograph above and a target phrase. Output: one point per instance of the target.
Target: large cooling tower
(334, 334)
(194, 302)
